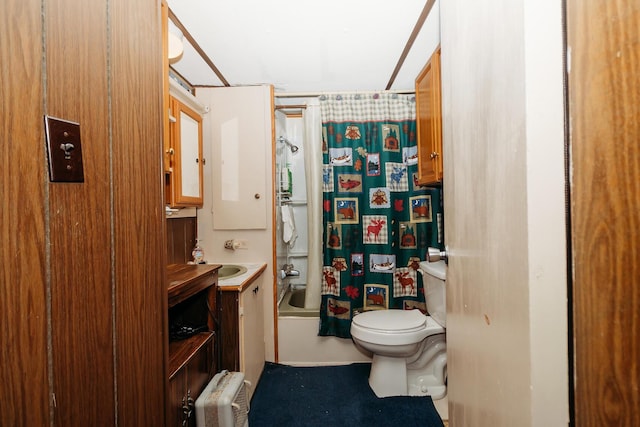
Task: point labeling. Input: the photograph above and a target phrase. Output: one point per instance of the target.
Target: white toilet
(409, 349)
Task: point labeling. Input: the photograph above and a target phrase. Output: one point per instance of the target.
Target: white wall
(427, 41)
(260, 241)
(504, 212)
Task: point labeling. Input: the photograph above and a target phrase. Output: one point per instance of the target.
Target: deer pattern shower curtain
(377, 221)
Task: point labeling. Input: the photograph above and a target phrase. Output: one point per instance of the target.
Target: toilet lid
(391, 320)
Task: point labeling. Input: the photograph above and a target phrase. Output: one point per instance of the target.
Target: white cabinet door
(252, 346)
(241, 145)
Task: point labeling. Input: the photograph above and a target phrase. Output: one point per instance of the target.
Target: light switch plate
(64, 150)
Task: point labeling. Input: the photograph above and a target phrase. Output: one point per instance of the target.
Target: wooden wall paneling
(166, 141)
(138, 209)
(76, 254)
(181, 238)
(604, 106)
(80, 216)
(172, 235)
(24, 390)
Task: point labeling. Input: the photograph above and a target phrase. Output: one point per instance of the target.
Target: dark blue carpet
(289, 396)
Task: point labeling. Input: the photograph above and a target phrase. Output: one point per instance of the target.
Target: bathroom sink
(228, 271)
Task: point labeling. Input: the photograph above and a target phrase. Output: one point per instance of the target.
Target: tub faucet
(288, 271)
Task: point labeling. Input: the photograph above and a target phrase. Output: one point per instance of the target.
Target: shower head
(292, 147)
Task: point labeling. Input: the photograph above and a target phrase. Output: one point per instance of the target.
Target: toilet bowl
(408, 347)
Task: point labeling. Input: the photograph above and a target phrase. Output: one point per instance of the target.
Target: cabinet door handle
(187, 408)
(434, 155)
(186, 412)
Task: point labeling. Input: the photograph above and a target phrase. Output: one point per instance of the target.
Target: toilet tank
(434, 275)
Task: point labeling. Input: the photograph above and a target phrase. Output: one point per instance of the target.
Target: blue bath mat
(288, 396)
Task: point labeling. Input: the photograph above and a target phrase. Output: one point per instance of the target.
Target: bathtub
(298, 341)
(292, 304)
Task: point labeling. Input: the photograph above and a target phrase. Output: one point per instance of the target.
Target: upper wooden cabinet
(429, 121)
(184, 180)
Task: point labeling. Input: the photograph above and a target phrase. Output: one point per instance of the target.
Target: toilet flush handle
(435, 254)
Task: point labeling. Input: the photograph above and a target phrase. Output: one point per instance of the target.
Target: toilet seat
(392, 320)
(393, 327)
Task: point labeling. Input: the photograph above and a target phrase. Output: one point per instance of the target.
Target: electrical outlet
(64, 150)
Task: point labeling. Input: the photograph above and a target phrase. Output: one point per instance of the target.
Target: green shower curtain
(377, 221)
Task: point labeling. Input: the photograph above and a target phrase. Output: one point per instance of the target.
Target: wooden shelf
(186, 280)
(180, 352)
(191, 294)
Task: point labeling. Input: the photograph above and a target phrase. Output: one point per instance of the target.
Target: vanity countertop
(240, 282)
(186, 280)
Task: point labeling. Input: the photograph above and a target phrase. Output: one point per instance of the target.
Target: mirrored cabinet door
(186, 138)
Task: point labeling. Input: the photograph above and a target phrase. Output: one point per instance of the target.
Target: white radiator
(223, 403)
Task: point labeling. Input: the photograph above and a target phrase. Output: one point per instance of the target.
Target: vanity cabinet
(242, 344)
(192, 361)
(187, 382)
(429, 122)
(184, 175)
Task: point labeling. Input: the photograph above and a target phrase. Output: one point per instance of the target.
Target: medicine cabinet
(184, 176)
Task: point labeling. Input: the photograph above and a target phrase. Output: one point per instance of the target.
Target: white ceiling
(305, 46)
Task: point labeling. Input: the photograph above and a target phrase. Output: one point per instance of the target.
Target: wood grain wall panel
(80, 217)
(604, 106)
(24, 388)
(140, 286)
(181, 238)
(82, 284)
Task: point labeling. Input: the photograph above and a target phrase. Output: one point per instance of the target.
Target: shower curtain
(377, 222)
(313, 175)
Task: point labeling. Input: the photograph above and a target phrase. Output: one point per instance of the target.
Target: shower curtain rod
(291, 107)
(317, 94)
